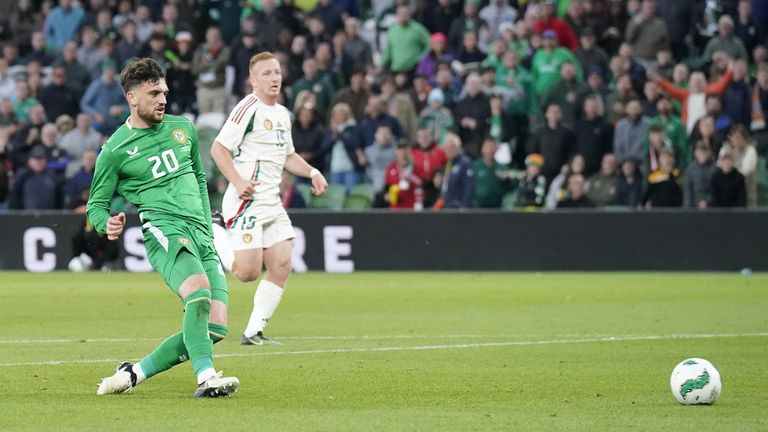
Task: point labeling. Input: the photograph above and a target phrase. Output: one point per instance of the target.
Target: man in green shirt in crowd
(407, 43)
(545, 65)
(491, 178)
(153, 161)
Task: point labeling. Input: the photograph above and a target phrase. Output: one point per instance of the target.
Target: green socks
(197, 308)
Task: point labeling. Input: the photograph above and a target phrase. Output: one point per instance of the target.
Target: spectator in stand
(35, 187)
(403, 186)
(357, 47)
(89, 53)
(725, 41)
(737, 98)
(714, 108)
(49, 140)
(693, 98)
(27, 136)
(7, 83)
(706, 132)
(557, 188)
(629, 186)
(379, 156)
(728, 186)
(129, 44)
(471, 114)
(617, 100)
(680, 18)
(532, 187)
(492, 179)
(650, 163)
(674, 131)
(594, 137)
(78, 77)
(23, 21)
(330, 13)
(665, 64)
(663, 185)
(468, 21)
(38, 50)
(496, 13)
(307, 133)
(144, 25)
(632, 67)
(564, 93)
(407, 43)
(597, 90)
(209, 64)
(630, 133)
(589, 54)
(457, 180)
(449, 84)
(79, 140)
(697, 181)
(554, 142)
(81, 179)
(24, 102)
(181, 83)
(101, 96)
(428, 159)
(58, 98)
(440, 15)
(315, 82)
(62, 24)
(399, 106)
(157, 49)
(647, 32)
(356, 94)
(375, 115)
(747, 29)
(545, 65)
(435, 117)
(437, 54)
(288, 194)
(575, 197)
(742, 150)
(344, 144)
(652, 95)
(469, 57)
(601, 187)
(548, 21)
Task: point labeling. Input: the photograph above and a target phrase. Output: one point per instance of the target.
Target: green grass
(396, 351)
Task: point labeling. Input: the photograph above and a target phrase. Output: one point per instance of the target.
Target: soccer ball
(695, 381)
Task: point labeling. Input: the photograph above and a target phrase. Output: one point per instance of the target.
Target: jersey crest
(179, 136)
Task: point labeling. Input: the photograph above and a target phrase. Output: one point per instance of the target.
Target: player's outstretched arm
(296, 165)
(223, 159)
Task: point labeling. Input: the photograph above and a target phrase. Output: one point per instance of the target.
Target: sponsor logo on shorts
(179, 136)
(185, 241)
(267, 124)
(247, 238)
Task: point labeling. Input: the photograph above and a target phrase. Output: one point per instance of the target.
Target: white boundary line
(428, 347)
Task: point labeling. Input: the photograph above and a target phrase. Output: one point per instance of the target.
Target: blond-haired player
(251, 150)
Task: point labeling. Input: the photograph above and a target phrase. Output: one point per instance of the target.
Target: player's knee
(281, 267)
(245, 274)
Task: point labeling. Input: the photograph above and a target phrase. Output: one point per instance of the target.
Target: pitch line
(426, 347)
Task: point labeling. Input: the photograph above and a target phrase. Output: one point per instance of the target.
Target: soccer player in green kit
(154, 162)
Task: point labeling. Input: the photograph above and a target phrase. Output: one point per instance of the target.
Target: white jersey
(259, 137)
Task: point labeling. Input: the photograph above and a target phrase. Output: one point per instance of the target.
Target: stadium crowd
(420, 104)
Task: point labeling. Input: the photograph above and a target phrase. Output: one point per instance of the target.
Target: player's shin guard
(197, 308)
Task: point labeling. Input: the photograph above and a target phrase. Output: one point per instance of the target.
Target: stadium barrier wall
(474, 241)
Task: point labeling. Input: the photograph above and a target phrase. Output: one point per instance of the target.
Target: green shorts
(178, 250)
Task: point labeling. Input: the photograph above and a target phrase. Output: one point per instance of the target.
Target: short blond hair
(262, 56)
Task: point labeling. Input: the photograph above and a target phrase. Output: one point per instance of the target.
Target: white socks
(223, 247)
(265, 302)
(205, 375)
(140, 376)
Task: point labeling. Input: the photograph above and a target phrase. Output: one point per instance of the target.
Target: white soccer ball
(76, 265)
(695, 381)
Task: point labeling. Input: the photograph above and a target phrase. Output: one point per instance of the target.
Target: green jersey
(158, 169)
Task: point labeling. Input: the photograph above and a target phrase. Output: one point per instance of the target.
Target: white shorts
(262, 234)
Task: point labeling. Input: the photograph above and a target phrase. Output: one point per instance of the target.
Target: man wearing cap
(545, 65)
(407, 43)
(547, 21)
(438, 54)
(35, 187)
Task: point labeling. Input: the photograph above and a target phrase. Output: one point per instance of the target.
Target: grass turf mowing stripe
(430, 347)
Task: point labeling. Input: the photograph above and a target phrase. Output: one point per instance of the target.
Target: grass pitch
(395, 351)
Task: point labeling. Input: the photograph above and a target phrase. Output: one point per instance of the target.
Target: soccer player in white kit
(251, 150)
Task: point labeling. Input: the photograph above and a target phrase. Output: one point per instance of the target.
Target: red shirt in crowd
(565, 36)
(402, 183)
(425, 162)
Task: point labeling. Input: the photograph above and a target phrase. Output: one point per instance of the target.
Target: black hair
(140, 71)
